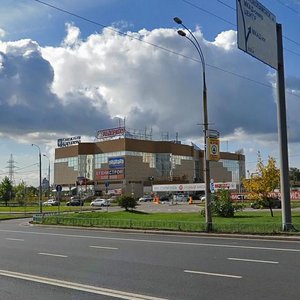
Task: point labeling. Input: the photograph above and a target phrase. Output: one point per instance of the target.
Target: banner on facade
(107, 174)
(116, 162)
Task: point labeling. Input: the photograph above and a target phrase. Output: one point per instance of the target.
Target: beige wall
(64, 175)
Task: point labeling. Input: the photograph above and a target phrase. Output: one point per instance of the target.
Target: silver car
(100, 202)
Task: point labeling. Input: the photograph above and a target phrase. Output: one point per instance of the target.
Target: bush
(127, 202)
(222, 205)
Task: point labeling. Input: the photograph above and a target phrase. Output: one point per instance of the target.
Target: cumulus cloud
(2, 33)
(82, 85)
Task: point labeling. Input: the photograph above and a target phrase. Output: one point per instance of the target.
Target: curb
(181, 233)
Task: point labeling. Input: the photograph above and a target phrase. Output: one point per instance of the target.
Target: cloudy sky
(72, 67)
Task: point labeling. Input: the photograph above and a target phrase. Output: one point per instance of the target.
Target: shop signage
(109, 133)
(189, 187)
(107, 174)
(64, 142)
(116, 162)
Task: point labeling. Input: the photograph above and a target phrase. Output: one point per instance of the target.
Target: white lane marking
(100, 247)
(78, 286)
(11, 239)
(153, 241)
(52, 254)
(254, 260)
(213, 274)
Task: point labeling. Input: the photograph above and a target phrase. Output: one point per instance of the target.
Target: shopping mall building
(128, 165)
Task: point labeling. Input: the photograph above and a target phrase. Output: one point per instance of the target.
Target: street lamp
(48, 175)
(40, 187)
(195, 43)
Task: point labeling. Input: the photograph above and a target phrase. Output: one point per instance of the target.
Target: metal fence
(251, 228)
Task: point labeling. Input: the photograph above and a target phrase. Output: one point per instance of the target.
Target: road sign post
(260, 36)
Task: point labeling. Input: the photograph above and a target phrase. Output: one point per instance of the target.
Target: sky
(72, 67)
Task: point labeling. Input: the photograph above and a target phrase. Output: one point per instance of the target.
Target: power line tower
(11, 168)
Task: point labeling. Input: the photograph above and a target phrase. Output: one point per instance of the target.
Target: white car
(145, 198)
(51, 202)
(100, 202)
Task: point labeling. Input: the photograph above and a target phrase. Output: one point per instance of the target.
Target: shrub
(222, 205)
(127, 202)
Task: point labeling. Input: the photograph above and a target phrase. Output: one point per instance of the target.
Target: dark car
(75, 202)
(164, 198)
(275, 203)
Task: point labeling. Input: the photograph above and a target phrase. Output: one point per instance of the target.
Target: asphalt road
(59, 263)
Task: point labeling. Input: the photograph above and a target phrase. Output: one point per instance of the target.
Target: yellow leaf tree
(263, 182)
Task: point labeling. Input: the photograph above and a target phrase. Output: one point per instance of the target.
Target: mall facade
(132, 166)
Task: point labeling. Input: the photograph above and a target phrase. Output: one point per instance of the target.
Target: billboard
(257, 34)
(109, 133)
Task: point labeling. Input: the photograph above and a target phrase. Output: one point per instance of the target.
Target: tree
(294, 175)
(20, 191)
(6, 190)
(262, 183)
(127, 202)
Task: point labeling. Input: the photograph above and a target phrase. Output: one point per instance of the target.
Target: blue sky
(62, 75)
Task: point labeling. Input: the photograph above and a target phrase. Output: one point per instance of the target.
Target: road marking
(79, 286)
(100, 247)
(213, 274)
(11, 239)
(154, 241)
(254, 260)
(52, 254)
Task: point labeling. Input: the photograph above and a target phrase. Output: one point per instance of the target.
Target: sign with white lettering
(190, 187)
(110, 133)
(65, 142)
(116, 162)
(104, 174)
(257, 31)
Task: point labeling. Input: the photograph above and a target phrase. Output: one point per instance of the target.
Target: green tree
(294, 175)
(20, 192)
(6, 190)
(127, 202)
(262, 183)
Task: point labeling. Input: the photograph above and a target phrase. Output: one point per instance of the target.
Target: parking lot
(168, 207)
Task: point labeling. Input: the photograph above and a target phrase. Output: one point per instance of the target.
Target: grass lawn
(36, 209)
(243, 222)
(12, 216)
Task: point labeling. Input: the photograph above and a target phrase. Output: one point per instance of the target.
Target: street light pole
(48, 175)
(40, 175)
(194, 41)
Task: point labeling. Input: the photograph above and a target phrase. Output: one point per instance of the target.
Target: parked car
(180, 198)
(165, 198)
(51, 202)
(75, 202)
(145, 198)
(100, 202)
